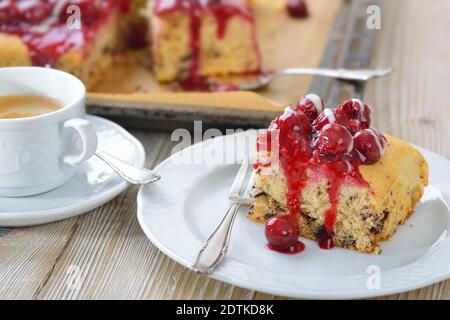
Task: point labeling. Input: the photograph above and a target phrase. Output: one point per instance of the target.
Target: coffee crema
(25, 106)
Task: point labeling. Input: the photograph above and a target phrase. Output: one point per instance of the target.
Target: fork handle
(216, 246)
(343, 74)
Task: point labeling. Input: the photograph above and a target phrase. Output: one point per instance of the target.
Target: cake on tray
(327, 175)
(186, 40)
(42, 33)
(199, 38)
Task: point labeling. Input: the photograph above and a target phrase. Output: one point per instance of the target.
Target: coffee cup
(41, 152)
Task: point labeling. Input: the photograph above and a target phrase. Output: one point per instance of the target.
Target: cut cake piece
(345, 185)
(200, 38)
(43, 33)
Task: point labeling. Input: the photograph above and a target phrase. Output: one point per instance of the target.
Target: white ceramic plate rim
(28, 218)
(223, 274)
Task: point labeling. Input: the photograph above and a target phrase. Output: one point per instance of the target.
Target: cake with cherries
(189, 39)
(327, 175)
(192, 39)
(77, 36)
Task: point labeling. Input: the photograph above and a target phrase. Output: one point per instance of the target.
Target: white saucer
(180, 212)
(93, 185)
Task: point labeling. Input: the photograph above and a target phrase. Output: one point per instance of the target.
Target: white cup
(40, 153)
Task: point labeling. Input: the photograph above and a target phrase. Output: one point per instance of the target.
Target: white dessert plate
(93, 185)
(181, 211)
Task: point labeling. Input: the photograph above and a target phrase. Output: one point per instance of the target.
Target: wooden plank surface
(110, 256)
(350, 45)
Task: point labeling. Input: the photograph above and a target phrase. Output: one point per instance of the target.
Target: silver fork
(128, 172)
(215, 248)
(341, 74)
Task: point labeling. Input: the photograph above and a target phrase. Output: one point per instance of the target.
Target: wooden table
(111, 257)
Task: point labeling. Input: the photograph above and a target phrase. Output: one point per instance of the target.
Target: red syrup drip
(326, 241)
(298, 155)
(282, 234)
(223, 11)
(45, 48)
(297, 248)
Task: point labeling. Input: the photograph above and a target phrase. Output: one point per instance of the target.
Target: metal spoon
(341, 74)
(129, 172)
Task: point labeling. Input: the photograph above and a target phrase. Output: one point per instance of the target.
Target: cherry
(9, 13)
(345, 114)
(326, 117)
(294, 132)
(311, 105)
(88, 8)
(371, 144)
(354, 115)
(33, 11)
(334, 139)
(293, 120)
(281, 232)
(363, 113)
(297, 8)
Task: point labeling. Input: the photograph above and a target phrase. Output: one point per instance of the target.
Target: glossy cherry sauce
(313, 145)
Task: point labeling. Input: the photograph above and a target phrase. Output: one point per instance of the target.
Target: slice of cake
(77, 36)
(199, 38)
(326, 175)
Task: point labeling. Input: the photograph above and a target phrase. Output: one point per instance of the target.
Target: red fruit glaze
(125, 6)
(309, 107)
(345, 114)
(297, 8)
(9, 13)
(294, 121)
(334, 139)
(326, 117)
(296, 248)
(354, 115)
(33, 11)
(263, 142)
(223, 11)
(326, 241)
(371, 144)
(264, 145)
(333, 156)
(363, 113)
(88, 9)
(282, 233)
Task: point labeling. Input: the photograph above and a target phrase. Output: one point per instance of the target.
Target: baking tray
(334, 36)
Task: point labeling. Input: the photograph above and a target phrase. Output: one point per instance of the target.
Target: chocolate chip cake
(198, 38)
(334, 177)
(77, 36)
(187, 40)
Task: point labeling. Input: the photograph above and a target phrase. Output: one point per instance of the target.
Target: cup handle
(88, 137)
